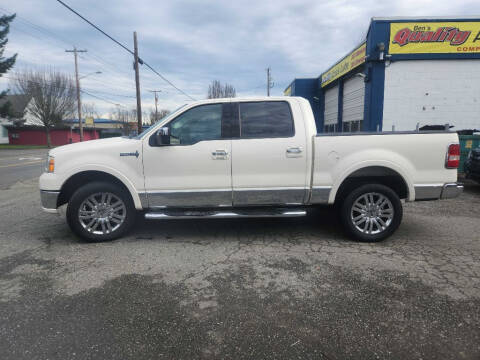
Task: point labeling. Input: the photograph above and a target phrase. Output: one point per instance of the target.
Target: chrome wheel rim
(372, 213)
(102, 213)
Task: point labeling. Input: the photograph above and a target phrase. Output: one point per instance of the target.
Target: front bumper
(49, 200)
(435, 192)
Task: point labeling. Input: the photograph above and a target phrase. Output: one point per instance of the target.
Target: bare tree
(90, 110)
(127, 118)
(158, 116)
(217, 90)
(52, 96)
(229, 91)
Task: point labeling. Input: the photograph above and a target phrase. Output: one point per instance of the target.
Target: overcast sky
(195, 42)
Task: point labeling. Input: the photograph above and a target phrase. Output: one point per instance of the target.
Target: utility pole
(269, 81)
(156, 103)
(77, 80)
(137, 83)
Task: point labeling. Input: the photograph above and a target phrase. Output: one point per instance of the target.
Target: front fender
(54, 181)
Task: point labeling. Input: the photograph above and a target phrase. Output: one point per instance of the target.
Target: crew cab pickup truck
(256, 157)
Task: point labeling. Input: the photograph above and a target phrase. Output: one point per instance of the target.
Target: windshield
(139, 136)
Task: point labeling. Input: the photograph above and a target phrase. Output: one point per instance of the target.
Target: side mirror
(163, 136)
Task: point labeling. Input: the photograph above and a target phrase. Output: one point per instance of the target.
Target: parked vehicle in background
(259, 157)
(472, 165)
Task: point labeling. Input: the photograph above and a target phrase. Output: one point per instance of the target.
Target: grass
(19, 147)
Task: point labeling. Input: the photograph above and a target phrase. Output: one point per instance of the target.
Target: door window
(201, 123)
(265, 119)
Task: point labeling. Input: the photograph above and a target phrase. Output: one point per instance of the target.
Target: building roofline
(301, 78)
(343, 57)
(419, 18)
(40, 127)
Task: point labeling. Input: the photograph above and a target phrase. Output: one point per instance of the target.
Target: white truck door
(269, 165)
(195, 169)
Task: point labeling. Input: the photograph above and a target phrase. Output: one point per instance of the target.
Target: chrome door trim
(187, 198)
(223, 197)
(320, 194)
(269, 196)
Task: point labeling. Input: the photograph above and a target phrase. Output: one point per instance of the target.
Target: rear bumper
(49, 200)
(451, 190)
(438, 191)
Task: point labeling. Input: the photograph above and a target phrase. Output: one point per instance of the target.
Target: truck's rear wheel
(371, 212)
(100, 211)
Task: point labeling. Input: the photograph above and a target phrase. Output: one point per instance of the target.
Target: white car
(255, 157)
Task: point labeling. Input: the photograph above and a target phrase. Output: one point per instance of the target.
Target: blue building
(407, 74)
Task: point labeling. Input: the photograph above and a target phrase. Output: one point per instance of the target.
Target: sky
(192, 43)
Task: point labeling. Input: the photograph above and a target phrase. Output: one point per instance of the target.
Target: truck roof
(251, 98)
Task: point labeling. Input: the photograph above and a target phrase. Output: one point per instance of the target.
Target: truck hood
(93, 146)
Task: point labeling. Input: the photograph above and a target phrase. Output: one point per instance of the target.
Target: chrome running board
(224, 214)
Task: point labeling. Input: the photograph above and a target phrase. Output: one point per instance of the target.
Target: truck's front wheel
(371, 212)
(100, 211)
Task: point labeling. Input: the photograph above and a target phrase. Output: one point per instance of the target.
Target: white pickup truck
(255, 157)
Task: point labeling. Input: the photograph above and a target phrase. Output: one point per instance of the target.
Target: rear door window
(265, 119)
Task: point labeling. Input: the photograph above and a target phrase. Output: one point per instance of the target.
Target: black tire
(128, 212)
(347, 215)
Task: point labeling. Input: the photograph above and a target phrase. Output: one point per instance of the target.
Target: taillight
(453, 156)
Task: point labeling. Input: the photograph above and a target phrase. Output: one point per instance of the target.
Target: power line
(81, 90)
(100, 98)
(52, 36)
(95, 26)
(126, 48)
(168, 81)
(118, 95)
(94, 57)
(9, 77)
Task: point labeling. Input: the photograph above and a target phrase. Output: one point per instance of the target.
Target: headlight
(50, 166)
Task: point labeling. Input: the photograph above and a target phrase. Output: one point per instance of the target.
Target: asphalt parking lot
(240, 289)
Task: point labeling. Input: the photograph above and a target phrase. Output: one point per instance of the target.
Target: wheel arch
(87, 176)
(389, 176)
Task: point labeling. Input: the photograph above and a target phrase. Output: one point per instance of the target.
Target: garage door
(331, 110)
(353, 104)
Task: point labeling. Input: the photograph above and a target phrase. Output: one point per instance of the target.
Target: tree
(5, 63)
(217, 90)
(127, 118)
(53, 96)
(89, 110)
(158, 116)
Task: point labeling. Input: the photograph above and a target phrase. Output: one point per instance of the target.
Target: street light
(78, 98)
(84, 76)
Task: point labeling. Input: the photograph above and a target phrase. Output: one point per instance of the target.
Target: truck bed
(418, 157)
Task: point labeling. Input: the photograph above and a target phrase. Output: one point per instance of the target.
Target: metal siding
(375, 71)
(308, 89)
(340, 105)
(432, 92)
(353, 99)
(331, 106)
(319, 120)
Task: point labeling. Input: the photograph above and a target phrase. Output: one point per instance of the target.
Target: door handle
(219, 155)
(294, 150)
